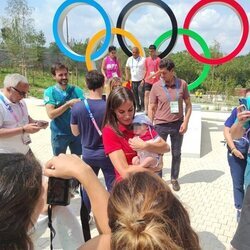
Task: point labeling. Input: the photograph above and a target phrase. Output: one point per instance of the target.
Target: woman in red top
(118, 133)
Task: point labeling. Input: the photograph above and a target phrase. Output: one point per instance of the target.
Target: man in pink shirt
(152, 73)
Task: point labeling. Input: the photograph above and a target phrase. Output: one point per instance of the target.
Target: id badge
(26, 139)
(114, 74)
(152, 73)
(174, 107)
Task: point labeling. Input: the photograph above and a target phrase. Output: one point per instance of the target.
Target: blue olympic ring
(59, 17)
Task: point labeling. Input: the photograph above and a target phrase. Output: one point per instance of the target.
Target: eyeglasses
(21, 93)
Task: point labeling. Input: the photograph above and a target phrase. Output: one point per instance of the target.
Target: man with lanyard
(152, 73)
(166, 111)
(135, 67)
(15, 122)
(59, 100)
(86, 120)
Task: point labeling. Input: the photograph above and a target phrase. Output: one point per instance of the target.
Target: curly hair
(20, 189)
(145, 215)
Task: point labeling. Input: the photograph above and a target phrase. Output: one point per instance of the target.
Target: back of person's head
(20, 189)
(144, 214)
(111, 48)
(115, 99)
(57, 66)
(166, 63)
(94, 80)
(12, 80)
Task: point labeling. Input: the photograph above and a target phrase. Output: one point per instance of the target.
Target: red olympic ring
(236, 51)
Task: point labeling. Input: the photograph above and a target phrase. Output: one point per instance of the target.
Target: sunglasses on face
(21, 93)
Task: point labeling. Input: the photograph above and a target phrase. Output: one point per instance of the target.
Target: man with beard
(59, 99)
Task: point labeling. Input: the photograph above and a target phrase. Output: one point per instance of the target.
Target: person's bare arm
(68, 166)
(151, 111)
(159, 146)
(55, 112)
(188, 111)
(29, 128)
(230, 143)
(127, 73)
(238, 130)
(120, 163)
(75, 129)
(103, 68)
(101, 242)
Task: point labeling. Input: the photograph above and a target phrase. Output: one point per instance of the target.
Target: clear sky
(214, 22)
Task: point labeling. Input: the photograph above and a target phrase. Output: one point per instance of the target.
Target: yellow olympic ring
(94, 41)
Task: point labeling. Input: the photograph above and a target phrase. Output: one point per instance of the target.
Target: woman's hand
(137, 143)
(65, 166)
(242, 115)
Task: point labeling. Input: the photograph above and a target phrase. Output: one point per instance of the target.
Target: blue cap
(142, 119)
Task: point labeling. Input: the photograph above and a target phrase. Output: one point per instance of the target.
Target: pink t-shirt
(152, 66)
(112, 68)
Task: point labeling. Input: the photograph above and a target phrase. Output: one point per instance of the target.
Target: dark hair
(166, 63)
(94, 80)
(116, 98)
(152, 46)
(57, 66)
(112, 48)
(144, 214)
(20, 189)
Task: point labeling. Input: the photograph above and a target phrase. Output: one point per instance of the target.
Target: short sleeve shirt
(137, 68)
(152, 66)
(57, 97)
(113, 142)
(92, 145)
(231, 119)
(13, 144)
(159, 97)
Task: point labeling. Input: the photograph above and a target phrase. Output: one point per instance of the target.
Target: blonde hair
(113, 81)
(145, 215)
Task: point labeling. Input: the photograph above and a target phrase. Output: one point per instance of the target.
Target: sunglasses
(21, 93)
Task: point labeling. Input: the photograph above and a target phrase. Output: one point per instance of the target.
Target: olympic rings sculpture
(108, 33)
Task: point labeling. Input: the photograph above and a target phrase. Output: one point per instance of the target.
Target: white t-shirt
(137, 68)
(19, 117)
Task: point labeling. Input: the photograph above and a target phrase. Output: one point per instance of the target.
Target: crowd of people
(137, 209)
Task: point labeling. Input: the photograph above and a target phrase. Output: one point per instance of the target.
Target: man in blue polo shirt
(59, 99)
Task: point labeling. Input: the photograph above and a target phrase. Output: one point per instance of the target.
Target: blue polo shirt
(55, 96)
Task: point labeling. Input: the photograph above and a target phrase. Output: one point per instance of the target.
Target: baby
(143, 128)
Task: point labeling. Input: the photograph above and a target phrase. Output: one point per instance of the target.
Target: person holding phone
(15, 123)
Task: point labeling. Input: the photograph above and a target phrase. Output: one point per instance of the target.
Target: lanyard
(92, 117)
(167, 92)
(10, 108)
(136, 66)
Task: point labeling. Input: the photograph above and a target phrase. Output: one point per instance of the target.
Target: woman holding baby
(118, 135)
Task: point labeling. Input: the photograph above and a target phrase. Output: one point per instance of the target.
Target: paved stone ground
(206, 188)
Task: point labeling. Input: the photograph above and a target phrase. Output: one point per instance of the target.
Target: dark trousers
(138, 91)
(109, 175)
(237, 169)
(176, 138)
(241, 239)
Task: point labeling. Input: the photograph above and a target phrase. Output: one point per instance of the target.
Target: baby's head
(141, 124)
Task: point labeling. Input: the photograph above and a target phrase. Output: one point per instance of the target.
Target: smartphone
(243, 103)
(42, 123)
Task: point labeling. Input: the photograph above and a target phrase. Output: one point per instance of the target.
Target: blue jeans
(237, 169)
(109, 175)
(60, 143)
(176, 138)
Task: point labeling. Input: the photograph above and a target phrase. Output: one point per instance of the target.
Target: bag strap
(92, 117)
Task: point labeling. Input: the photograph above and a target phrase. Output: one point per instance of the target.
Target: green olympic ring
(206, 68)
